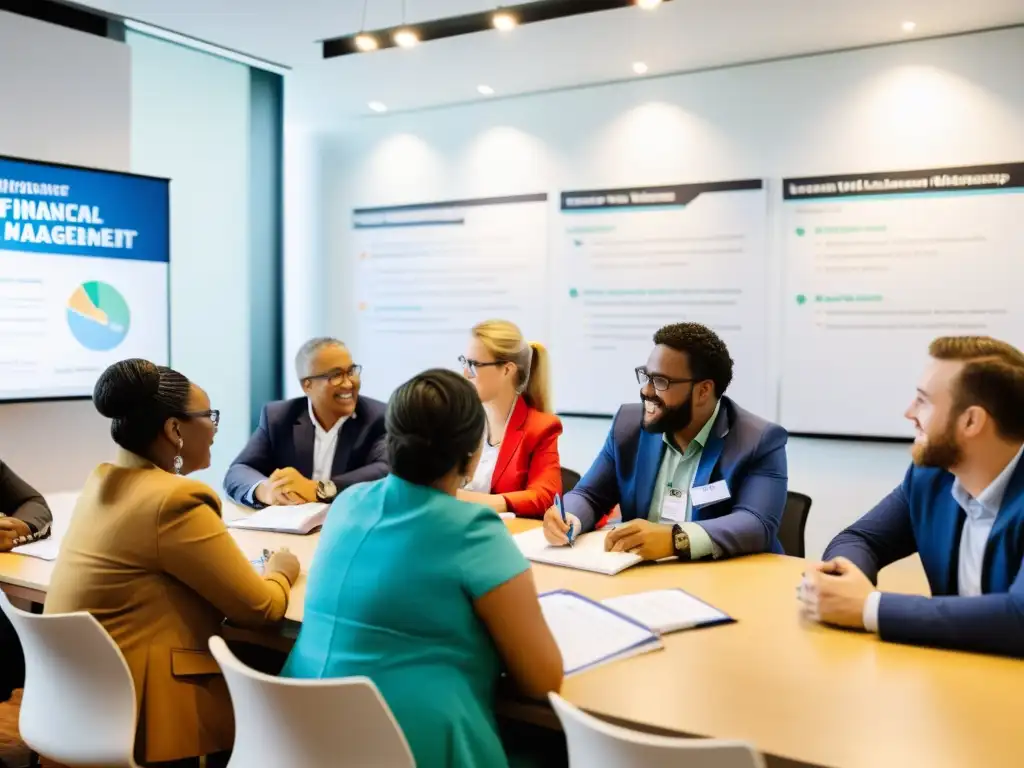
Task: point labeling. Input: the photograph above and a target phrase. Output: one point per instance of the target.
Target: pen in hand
(561, 511)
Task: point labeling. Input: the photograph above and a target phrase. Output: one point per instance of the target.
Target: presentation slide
(84, 257)
(427, 273)
(633, 260)
(879, 264)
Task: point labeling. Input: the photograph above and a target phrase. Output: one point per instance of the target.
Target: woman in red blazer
(519, 469)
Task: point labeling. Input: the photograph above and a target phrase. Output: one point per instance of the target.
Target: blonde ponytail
(538, 388)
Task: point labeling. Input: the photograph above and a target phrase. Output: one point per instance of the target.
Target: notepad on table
(298, 518)
(667, 610)
(589, 634)
(44, 549)
(586, 553)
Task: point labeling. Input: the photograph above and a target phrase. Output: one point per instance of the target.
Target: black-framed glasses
(213, 415)
(335, 376)
(659, 382)
(470, 366)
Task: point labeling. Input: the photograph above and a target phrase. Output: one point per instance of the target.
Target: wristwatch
(326, 490)
(680, 542)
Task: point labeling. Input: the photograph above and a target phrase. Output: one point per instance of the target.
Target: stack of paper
(589, 634)
(298, 518)
(586, 553)
(667, 610)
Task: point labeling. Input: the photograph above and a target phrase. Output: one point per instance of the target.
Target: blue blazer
(922, 516)
(285, 438)
(746, 451)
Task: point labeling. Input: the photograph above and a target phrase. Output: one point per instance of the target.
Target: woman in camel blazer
(148, 555)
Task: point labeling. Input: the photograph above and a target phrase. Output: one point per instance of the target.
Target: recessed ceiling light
(366, 42)
(648, 5)
(909, 26)
(485, 90)
(378, 106)
(639, 68)
(504, 21)
(406, 38)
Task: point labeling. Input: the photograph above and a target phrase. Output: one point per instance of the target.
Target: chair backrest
(594, 743)
(78, 708)
(569, 479)
(282, 721)
(794, 521)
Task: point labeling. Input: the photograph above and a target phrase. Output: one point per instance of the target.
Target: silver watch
(326, 490)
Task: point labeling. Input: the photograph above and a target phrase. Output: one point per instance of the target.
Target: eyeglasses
(660, 383)
(213, 415)
(335, 376)
(470, 366)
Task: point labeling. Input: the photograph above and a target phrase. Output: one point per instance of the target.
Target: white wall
(930, 103)
(191, 123)
(67, 99)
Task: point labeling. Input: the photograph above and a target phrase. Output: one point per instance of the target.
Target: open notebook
(586, 554)
(667, 610)
(299, 518)
(589, 633)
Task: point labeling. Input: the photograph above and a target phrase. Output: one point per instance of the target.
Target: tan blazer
(148, 555)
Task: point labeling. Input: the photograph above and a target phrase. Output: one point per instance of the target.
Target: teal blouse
(390, 596)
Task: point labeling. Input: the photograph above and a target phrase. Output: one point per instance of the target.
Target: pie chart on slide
(98, 316)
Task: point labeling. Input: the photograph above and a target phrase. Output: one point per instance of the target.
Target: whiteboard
(427, 273)
(632, 260)
(877, 266)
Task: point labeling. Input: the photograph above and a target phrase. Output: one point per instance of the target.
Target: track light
(504, 21)
(406, 38)
(648, 5)
(365, 42)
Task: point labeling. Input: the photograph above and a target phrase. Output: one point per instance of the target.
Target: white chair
(312, 723)
(594, 743)
(79, 702)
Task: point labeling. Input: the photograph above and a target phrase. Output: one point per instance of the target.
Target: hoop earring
(178, 461)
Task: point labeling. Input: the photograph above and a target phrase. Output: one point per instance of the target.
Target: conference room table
(802, 693)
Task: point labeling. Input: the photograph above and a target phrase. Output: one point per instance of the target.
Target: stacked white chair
(343, 723)
(594, 743)
(78, 707)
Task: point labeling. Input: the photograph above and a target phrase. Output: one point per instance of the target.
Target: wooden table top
(796, 690)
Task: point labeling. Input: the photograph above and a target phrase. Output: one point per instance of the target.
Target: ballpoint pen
(561, 511)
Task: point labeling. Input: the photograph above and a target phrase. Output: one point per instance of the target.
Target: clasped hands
(12, 529)
(834, 592)
(286, 486)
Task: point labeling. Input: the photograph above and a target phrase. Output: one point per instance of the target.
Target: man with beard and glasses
(695, 475)
(960, 506)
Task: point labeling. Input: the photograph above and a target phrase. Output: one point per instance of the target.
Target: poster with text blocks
(633, 260)
(427, 273)
(877, 266)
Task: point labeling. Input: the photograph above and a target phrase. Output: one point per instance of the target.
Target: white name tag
(673, 506)
(709, 494)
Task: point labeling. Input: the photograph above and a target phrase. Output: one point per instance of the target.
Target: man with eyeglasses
(694, 475)
(313, 447)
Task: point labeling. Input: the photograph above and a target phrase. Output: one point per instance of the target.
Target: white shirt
(325, 445)
(481, 482)
(981, 515)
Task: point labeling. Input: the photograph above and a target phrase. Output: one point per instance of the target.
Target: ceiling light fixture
(500, 17)
(406, 38)
(909, 26)
(504, 21)
(366, 42)
(485, 90)
(639, 68)
(378, 106)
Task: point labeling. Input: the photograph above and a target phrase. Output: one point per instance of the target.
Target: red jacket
(528, 472)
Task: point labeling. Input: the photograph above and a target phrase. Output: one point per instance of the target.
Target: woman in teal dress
(426, 595)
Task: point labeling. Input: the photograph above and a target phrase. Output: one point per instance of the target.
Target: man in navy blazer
(694, 475)
(313, 447)
(960, 506)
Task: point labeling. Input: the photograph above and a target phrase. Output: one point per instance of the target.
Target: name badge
(673, 506)
(703, 495)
